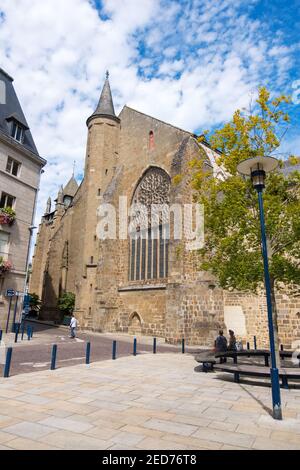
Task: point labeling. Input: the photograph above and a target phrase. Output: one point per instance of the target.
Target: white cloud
(58, 52)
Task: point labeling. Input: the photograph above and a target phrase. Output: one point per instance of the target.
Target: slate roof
(71, 187)
(10, 108)
(105, 106)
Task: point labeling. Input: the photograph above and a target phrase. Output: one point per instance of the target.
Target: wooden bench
(254, 353)
(245, 353)
(253, 371)
(207, 362)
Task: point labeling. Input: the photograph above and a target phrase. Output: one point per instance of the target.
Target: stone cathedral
(139, 285)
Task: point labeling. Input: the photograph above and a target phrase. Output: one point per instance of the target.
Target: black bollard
(134, 347)
(154, 345)
(1, 335)
(182, 346)
(7, 362)
(254, 339)
(281, 347)
(114, 350)
(88, 353)
(248, 345)
(53, 357)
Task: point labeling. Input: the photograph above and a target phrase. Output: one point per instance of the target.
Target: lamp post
(257, 168)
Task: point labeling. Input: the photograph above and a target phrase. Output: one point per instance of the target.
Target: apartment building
(20, 170)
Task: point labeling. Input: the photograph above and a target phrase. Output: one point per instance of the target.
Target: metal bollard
(182, 346)
(53, 357)
(134, 347)
(114, 350)
(154, 345)
(281, 347)
(254, 339)
(1, 335)
(248, 345)
(7, 362)
(88, 353)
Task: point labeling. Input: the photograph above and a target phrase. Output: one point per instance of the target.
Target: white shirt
(73, 323)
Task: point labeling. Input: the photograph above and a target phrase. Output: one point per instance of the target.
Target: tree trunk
(275, 321)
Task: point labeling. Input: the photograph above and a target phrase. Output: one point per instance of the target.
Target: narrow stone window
(151, 140)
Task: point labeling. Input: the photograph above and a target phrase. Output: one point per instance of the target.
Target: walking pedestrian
(73, 326)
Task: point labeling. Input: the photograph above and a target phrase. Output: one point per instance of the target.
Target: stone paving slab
(144, 402)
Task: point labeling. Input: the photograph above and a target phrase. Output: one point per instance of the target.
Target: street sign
(10, 293)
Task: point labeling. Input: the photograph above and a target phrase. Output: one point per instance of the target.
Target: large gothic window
(149, 227)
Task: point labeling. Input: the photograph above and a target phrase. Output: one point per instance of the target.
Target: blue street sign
(10, 293)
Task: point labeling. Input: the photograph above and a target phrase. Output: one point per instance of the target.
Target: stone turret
(100, 167)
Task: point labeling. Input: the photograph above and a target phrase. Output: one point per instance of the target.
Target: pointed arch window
(149, 224)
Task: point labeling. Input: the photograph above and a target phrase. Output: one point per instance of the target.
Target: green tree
(34, 302)
(232, 250)
(66, 302)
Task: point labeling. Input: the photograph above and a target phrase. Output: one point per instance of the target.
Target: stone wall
(254, 309)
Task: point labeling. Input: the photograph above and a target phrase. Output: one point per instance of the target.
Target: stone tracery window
(149, 237)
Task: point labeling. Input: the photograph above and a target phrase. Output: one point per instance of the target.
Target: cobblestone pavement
(35, 354)
(143, 402)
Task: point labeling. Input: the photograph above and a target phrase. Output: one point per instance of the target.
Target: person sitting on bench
(232, 341)
(221, 344)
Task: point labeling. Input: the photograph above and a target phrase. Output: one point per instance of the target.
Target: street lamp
(257, 168)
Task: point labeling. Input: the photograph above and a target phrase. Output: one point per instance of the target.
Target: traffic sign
(10, 293)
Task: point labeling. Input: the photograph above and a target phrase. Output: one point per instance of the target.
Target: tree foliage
(232, 249)
(66, 302)
(34, 302)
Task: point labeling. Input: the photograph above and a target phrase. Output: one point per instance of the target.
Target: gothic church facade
(141, 284)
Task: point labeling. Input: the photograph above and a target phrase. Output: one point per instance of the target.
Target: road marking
(44, 364)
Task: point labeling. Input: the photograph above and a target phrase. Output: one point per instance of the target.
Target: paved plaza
(143, 402)
(34, 355)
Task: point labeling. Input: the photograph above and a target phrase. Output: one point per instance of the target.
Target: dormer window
(17, 131)
(67, 201)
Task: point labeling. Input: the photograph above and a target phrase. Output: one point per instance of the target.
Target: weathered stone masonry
(121, 153)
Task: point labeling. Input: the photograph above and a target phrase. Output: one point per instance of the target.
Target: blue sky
(188, 62)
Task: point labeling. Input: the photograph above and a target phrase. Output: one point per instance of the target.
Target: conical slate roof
(71, 187)
(105, 106)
